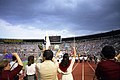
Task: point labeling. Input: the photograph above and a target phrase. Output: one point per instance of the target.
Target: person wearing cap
(108, 68)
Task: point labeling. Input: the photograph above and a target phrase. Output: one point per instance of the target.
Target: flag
(47, 41)
(73, 51)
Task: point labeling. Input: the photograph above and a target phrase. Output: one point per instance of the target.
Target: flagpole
(74, 45)
(74, 41)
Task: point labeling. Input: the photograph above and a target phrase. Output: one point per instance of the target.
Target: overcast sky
(30, 19)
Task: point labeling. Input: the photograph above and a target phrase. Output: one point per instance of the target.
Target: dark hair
(30, 60)
(13, 58)
(48, 54)
(108, 52)
(3, 64)
(65, 61)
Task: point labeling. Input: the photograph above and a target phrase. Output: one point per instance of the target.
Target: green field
(24, 64)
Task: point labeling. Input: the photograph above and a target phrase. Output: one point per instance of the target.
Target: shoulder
(19, 66)
(102, 62)
(38, 64)
(34, 64)
(12, 62)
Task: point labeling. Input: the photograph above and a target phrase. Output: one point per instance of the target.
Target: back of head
(65, 60)
(30, 60)
(66, 56)
(108, 52)
(48, 54)
(3, 64)
(13, 58)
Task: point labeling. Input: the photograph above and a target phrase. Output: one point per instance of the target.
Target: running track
(81, 71)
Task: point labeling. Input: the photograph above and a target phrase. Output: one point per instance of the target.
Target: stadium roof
(99, 35)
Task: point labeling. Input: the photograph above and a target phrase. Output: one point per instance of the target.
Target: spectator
(13, 65)
(81, 58)
(85, 58)
(48, 69)
(108, 69)
(66, 65)
(30, 69)
(95, 59)
(76, 59)
(6, 73)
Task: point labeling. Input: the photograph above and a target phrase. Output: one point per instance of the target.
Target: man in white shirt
(85, 58)
(81, 58)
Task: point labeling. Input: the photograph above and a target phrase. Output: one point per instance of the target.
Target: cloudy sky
(30, 19)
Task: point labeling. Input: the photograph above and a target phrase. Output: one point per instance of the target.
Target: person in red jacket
(108, 68)
(6, 73)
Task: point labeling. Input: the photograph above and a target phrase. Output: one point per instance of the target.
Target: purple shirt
(8, 56)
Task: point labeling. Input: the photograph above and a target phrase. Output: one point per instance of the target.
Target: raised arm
(117, 57)
(57, 53)
(18, 59)
(74, 52)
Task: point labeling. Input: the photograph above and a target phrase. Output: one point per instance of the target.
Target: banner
(47, 41)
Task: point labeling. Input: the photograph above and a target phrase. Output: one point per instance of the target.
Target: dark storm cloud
(18, 9)
(95, 15)
(100, 15)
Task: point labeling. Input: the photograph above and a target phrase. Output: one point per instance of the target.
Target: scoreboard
(54, 39)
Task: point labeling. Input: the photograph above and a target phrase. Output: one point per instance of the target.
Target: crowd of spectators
(87, 49)
(83, 47)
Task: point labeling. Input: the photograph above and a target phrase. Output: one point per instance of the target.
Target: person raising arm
(6, 73)
(66, 65)
(18, 59)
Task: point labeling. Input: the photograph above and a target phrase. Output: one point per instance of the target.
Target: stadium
(59, 39)
(89, 45)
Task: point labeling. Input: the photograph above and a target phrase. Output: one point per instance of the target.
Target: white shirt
(30, 70)
(68, 74)
(85, 58)
(76, 58)
(13, 65)
(81, 58)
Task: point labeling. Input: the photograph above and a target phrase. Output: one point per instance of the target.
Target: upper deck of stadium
(109, 34)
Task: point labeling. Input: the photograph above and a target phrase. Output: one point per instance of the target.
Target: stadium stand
(89, 44)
